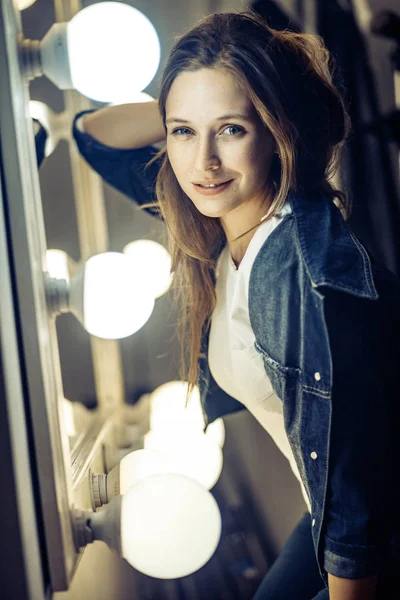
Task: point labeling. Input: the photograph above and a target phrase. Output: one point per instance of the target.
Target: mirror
(77, 383)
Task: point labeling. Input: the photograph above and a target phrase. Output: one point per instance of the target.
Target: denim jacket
(326, 320)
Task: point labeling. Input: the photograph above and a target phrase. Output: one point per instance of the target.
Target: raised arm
(126, 126)
(118, 143)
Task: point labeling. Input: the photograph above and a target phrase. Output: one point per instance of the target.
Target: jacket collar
(333, 256)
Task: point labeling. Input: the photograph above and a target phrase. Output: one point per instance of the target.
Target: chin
(207, 209)
(212, 214)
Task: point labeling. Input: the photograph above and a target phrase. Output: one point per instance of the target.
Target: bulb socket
(82, 532)
(57, 295)
(98, 489)
(30, 54)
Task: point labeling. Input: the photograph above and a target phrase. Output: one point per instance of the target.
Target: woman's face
(214, 135)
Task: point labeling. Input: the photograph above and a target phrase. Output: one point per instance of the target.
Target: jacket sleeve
(125, 170)
(363, 492)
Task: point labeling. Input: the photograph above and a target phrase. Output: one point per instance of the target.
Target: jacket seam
(317, 392)
(366, 261)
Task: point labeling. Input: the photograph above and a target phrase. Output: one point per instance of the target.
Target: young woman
(284, 312)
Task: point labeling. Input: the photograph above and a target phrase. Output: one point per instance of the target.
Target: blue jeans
(294, 574)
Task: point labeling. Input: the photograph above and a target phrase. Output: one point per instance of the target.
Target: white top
(234, 362)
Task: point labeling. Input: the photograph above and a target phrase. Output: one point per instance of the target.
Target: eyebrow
(223, 118)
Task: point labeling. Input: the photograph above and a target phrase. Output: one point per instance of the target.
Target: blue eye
(239, 129)
(179, 129)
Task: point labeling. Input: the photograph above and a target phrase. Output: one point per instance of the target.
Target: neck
(236, 226)
(238, 246)
(240, 228)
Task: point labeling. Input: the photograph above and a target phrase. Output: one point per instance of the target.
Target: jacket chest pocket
(285, 380)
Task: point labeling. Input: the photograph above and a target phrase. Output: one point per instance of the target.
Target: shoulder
(314, 244)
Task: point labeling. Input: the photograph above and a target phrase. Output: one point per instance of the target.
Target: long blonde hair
(288, 77)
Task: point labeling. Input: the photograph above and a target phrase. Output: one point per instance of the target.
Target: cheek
(250, 160)
(180, 164)
(178, 158)
(239, 157)
(261, 156)
(174, 160)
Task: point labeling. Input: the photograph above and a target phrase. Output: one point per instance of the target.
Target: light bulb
(56, 125)
(103, 296)
(168, 408)
(177, 431)
(125, 64)
(131, 468)
(191, 453)
(166, 526)
(115, 306)
(200, 461)
(138, 465)
(108, 51)
(151, 263)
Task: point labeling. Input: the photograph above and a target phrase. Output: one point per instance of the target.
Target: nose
(206, 158)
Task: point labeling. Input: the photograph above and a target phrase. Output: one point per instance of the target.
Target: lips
(207, 183)
(212, 191)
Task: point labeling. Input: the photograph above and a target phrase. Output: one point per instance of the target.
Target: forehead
(206, 93)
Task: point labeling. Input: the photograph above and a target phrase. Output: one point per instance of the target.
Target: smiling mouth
(211, 185)
(211, 190)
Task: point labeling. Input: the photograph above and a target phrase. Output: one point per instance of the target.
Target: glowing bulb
(191, 453)
(109, 52)
(138, 465)
(151, 264)
(170, 526)
(165, 526)
(114, 305)
(168, 410)
(104, 297)
(113, 49)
